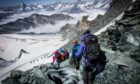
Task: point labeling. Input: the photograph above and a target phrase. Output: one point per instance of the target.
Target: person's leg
(91, 77)
(58, 62)
(74, 61)
(71, 61)
(77, 63)
(85, 76)
(58, 65)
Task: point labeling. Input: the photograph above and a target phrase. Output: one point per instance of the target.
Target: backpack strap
(84, 53)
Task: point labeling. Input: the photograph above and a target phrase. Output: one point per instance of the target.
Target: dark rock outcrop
(75, 9)
(15, 74)
(69, 31)
(4, 15)
(44, 74)
(4, 63)
(83, 24)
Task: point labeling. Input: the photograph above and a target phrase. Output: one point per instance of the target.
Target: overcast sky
(15, 2)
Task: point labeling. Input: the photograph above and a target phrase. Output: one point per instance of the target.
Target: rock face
(23, 6)
(69, 31)
(83, 24)
(121, 42)
(75, 9)
(44, 74)
(125, 34)
(32, 21)
(116, 8)
(4, 15)
(120, 69)
(122, 45)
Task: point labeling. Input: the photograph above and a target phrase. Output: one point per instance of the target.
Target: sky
(16, 2)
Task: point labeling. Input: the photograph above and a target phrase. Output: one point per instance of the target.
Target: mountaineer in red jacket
(60, 55)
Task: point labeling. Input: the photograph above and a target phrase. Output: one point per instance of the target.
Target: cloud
(23, 15)
(48, 28)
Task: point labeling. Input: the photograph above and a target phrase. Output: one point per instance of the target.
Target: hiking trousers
(77, 62)
(88, 76)
(58, 62)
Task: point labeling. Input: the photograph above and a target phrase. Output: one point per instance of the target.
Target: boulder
(135, 53)
(15, 74)
(10, 80)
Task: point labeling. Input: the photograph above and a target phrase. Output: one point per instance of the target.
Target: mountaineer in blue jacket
(75, 61)
(88, 51)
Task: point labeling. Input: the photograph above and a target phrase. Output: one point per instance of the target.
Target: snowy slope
(111, 23)
(36, 46)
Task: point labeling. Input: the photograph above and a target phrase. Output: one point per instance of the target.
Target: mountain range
(60, 6)
(35, 19)
(32, 21)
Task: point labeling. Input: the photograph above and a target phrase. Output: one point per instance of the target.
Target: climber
(58, 57)
(61, 54)
(74, 60)
(89, 51)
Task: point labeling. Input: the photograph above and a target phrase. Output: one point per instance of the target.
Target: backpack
(64, 52)
(94, 54)
(100, 66)
(92, 48)
(102, 58)
(59, 56)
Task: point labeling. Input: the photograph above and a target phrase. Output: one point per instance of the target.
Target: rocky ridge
(44, 74)
(116, 8)
(120, 42)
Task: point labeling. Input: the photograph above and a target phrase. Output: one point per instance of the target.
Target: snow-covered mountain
(60, 6)
(80, 6)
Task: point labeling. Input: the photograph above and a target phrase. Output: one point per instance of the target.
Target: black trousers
(88, 75)
(58, 62)
(77, 62)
